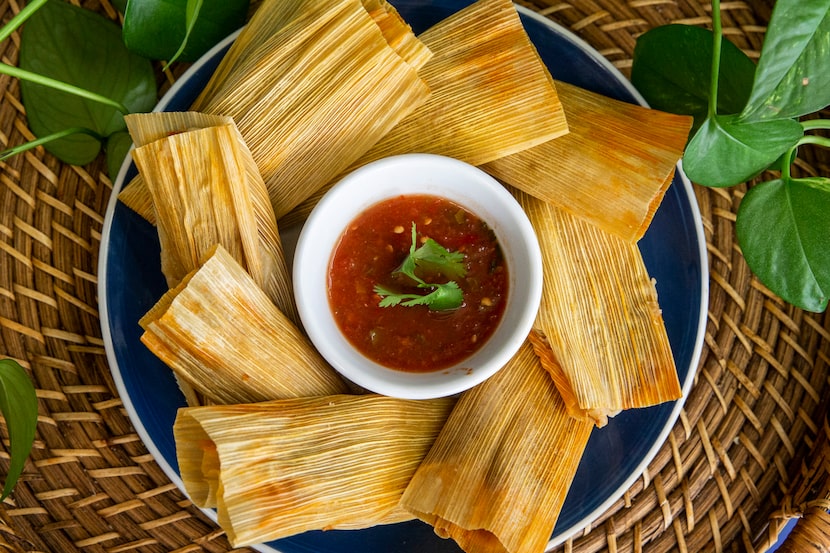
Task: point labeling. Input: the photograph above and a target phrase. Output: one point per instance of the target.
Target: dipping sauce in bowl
(349, 259)
(419, 337)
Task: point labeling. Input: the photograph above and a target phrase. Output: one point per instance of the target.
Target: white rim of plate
(686, 385)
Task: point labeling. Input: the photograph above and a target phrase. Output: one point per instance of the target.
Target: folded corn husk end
(222, 334)
(497, 475)
(599, 317)
(278, 468)
(612, 169)
(149, 127)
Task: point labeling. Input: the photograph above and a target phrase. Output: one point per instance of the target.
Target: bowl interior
(417, 174)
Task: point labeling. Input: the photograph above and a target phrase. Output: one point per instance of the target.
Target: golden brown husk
(222, 335)
(398, 33)
(613, 167)
(156, 126)
(280, 468)
(600, 315)
(315, 95)
(312, 86)
(498, 473)
(206, 190)
(491, 94)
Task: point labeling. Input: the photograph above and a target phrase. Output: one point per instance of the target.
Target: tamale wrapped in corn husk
(271, 17)
(279, 468)
(497, 475)
(491, 94)
(157, 126)
(600, 316)
(222, 335)
(312, 91)
(206, 190)
(613, 167)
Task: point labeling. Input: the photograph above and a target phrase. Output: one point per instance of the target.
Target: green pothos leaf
(793, 76)
(725, 151)
(118, 145)
(672, 68)
(164, 29)
(81, 48)
(18, 403)
(783, 232)
(193, 8)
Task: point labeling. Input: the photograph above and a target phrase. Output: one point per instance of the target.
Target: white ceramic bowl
(435, 175)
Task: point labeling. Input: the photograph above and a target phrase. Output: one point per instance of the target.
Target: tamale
(221, 334)
(206, 190)
(152, 127)
(491, 94)
(613, 167)
(271, 17)
(279, 468)
(497, 475)
(316, 95)
(600, 316)
(312, 86)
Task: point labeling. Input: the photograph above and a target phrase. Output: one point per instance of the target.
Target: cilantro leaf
(444, 296)
(431, 256)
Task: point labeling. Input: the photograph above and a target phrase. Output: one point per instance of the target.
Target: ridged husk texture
(206, 190)
(612, 169)
(280, 468)
(222, 335)
(600, 317)
(497, 476)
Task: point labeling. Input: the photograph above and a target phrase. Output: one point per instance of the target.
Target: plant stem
(717, 40)
(812, 139)
(62, 86)
(789, 157)
(19, 149)
(815, 124)
(18, 19)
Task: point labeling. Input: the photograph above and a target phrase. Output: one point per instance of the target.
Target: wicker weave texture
(749, 451)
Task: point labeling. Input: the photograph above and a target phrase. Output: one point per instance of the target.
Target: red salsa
(416, 338)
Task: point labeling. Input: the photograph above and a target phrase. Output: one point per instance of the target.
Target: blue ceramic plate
(131, 282)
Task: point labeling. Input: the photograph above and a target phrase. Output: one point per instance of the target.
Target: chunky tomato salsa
(416, 338)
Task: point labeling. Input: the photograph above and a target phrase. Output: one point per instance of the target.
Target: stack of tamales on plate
(274, 438)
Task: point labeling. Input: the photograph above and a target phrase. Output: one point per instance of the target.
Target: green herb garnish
(432, 257)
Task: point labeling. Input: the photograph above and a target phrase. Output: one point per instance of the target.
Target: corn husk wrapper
(280, 468)
(272, 17)
(499, 471)
(491, 94)
(600, 317)
(398, 33)
(206, 190)
(613, 167)
(221, 334)
(155, 127)
(311, 90)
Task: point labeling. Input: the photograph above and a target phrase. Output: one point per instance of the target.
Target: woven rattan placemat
(748, 453)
